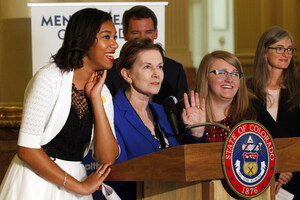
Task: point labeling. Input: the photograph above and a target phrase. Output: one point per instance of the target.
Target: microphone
(171, 111)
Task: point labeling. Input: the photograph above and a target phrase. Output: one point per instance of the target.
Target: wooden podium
(194, 171)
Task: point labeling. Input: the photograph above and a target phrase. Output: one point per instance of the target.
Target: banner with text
(49, 21)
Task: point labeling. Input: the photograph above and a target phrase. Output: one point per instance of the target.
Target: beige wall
(253, 17)
(207, 35)
(15, 51)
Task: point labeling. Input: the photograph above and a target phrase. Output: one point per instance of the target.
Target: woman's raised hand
(95, 84)
(194, 112)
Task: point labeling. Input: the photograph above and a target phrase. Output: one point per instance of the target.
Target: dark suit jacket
(174, 83)
(288, 126)
(287, 121)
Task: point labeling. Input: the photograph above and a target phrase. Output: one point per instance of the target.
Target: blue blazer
(134, 138)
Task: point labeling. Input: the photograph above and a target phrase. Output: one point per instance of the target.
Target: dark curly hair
(80, 35)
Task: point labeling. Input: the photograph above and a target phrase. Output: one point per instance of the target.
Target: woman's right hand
(95, 84)
(194, 113)
(95, 180)
(284, 178)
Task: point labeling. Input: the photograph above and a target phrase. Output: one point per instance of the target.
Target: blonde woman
(225, 99)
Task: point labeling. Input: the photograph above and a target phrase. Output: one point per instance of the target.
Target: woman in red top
(224, 97)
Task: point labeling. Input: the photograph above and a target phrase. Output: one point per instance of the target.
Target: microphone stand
(188, 126)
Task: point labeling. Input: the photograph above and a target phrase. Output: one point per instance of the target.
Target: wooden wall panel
(177, 31)
(253, 17)
(8, 148)
(247, 22)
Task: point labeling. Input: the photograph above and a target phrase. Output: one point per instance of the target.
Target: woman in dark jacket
(276, 84)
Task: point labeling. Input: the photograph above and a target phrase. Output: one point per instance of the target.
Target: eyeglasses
(222, 74)
(281, 50)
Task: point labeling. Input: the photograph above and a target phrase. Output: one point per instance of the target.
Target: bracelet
(65, 180)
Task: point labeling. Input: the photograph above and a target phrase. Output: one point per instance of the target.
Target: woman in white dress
(67, 109)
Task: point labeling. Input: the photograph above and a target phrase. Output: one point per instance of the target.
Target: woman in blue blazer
(141, 126)
(133, 135)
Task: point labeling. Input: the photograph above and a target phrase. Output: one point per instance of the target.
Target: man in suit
(140, 21)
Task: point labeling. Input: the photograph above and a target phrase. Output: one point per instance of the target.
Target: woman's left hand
(95, 84)
(283, 179)
(194, 112)
(277, 187)
(94, 180)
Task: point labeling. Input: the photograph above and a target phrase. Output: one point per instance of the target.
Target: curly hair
(80, 35)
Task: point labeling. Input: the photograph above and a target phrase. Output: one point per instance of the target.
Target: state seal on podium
(249, 159)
